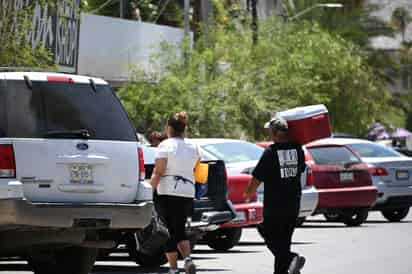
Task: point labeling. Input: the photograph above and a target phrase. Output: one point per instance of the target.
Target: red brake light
(309, 177)
(142, 174)
(7, 162)
(377, 171)
(60, 79)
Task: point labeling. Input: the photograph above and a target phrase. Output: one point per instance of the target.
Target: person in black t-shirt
(280, 168)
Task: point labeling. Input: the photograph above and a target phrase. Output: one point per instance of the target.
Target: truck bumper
(22, 213)
(247, 214)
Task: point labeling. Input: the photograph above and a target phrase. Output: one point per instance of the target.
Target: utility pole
(201, 15)
(123, 5)
(187, 19)
(205, 6)
(254, 21)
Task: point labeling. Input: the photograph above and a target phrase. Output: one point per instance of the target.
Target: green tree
(231, 86)
(15, 49)
(165, 12)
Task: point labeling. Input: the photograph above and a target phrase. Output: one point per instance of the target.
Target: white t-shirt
(182, 157)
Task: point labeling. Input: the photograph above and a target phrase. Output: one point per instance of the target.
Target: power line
(161, 11)
(105, 4)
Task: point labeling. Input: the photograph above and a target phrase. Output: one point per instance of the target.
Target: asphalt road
(377, 247)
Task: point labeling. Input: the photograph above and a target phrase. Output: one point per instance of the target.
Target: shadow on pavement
(211, 251)
(386, 222)
(127, 269)
(145, 270)
(14, 267)
(248, 243)
(263, 244)
(310, 224)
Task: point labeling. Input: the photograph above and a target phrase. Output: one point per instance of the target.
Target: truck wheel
(73, 260)
(355, 218)
(395, 215)
(144, 259)
(333, 217)
(224, 239)
(300, 221)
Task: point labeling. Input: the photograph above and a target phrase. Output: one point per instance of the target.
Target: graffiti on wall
(54, 23)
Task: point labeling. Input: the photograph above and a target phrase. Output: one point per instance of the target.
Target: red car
(240, 157)
(344, 183)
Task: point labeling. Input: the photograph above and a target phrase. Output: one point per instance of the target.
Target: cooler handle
(318, 117)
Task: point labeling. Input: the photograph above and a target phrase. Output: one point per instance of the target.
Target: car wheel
(355, 218)
(333, 217)
(300, 221)
(142, 259)
(42, 266)
(73, 260)
(396, 215)
(224, 239)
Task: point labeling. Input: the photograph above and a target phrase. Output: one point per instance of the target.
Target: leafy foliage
(231, 86)
(165, 12)
(15, 49)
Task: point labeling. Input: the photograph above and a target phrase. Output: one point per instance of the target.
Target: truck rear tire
(395, 215)
(73, 260)
(355, 218)
(224, 239)
(333, 217)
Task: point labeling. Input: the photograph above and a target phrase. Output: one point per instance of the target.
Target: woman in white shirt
(173, 179)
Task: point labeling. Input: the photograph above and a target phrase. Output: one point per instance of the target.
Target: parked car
(391, 174)
(310, 196)
(346, 191)
(211, 209)
(71, 171)
(240, 157)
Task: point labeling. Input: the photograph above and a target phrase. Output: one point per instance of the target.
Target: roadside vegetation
(231, 85)
(15, 31)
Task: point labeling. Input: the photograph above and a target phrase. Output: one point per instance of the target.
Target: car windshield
(334, 155)
(371, 150)
(62, 110)
(234, 152)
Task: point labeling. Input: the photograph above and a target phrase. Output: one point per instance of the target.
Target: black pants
(278, 236)
(173, 211)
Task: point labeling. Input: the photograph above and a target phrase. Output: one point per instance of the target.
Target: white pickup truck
(71, 171)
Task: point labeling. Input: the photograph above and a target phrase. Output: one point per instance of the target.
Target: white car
(71, 171)
(391, 173)
(242, 157)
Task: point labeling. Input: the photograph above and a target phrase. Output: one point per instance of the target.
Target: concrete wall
(110, 47)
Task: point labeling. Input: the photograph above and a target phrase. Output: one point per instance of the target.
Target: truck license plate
(81, 174)
(346, 177)
(240, 217)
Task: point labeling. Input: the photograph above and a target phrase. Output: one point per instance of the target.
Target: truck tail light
(377, 171)
(142, 174)
(7, 162)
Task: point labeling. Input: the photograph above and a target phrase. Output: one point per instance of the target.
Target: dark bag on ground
(153, 237)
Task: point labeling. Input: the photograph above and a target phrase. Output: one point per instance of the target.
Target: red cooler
(307, 124)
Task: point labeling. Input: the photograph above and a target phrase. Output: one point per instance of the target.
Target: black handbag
(153, 237)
